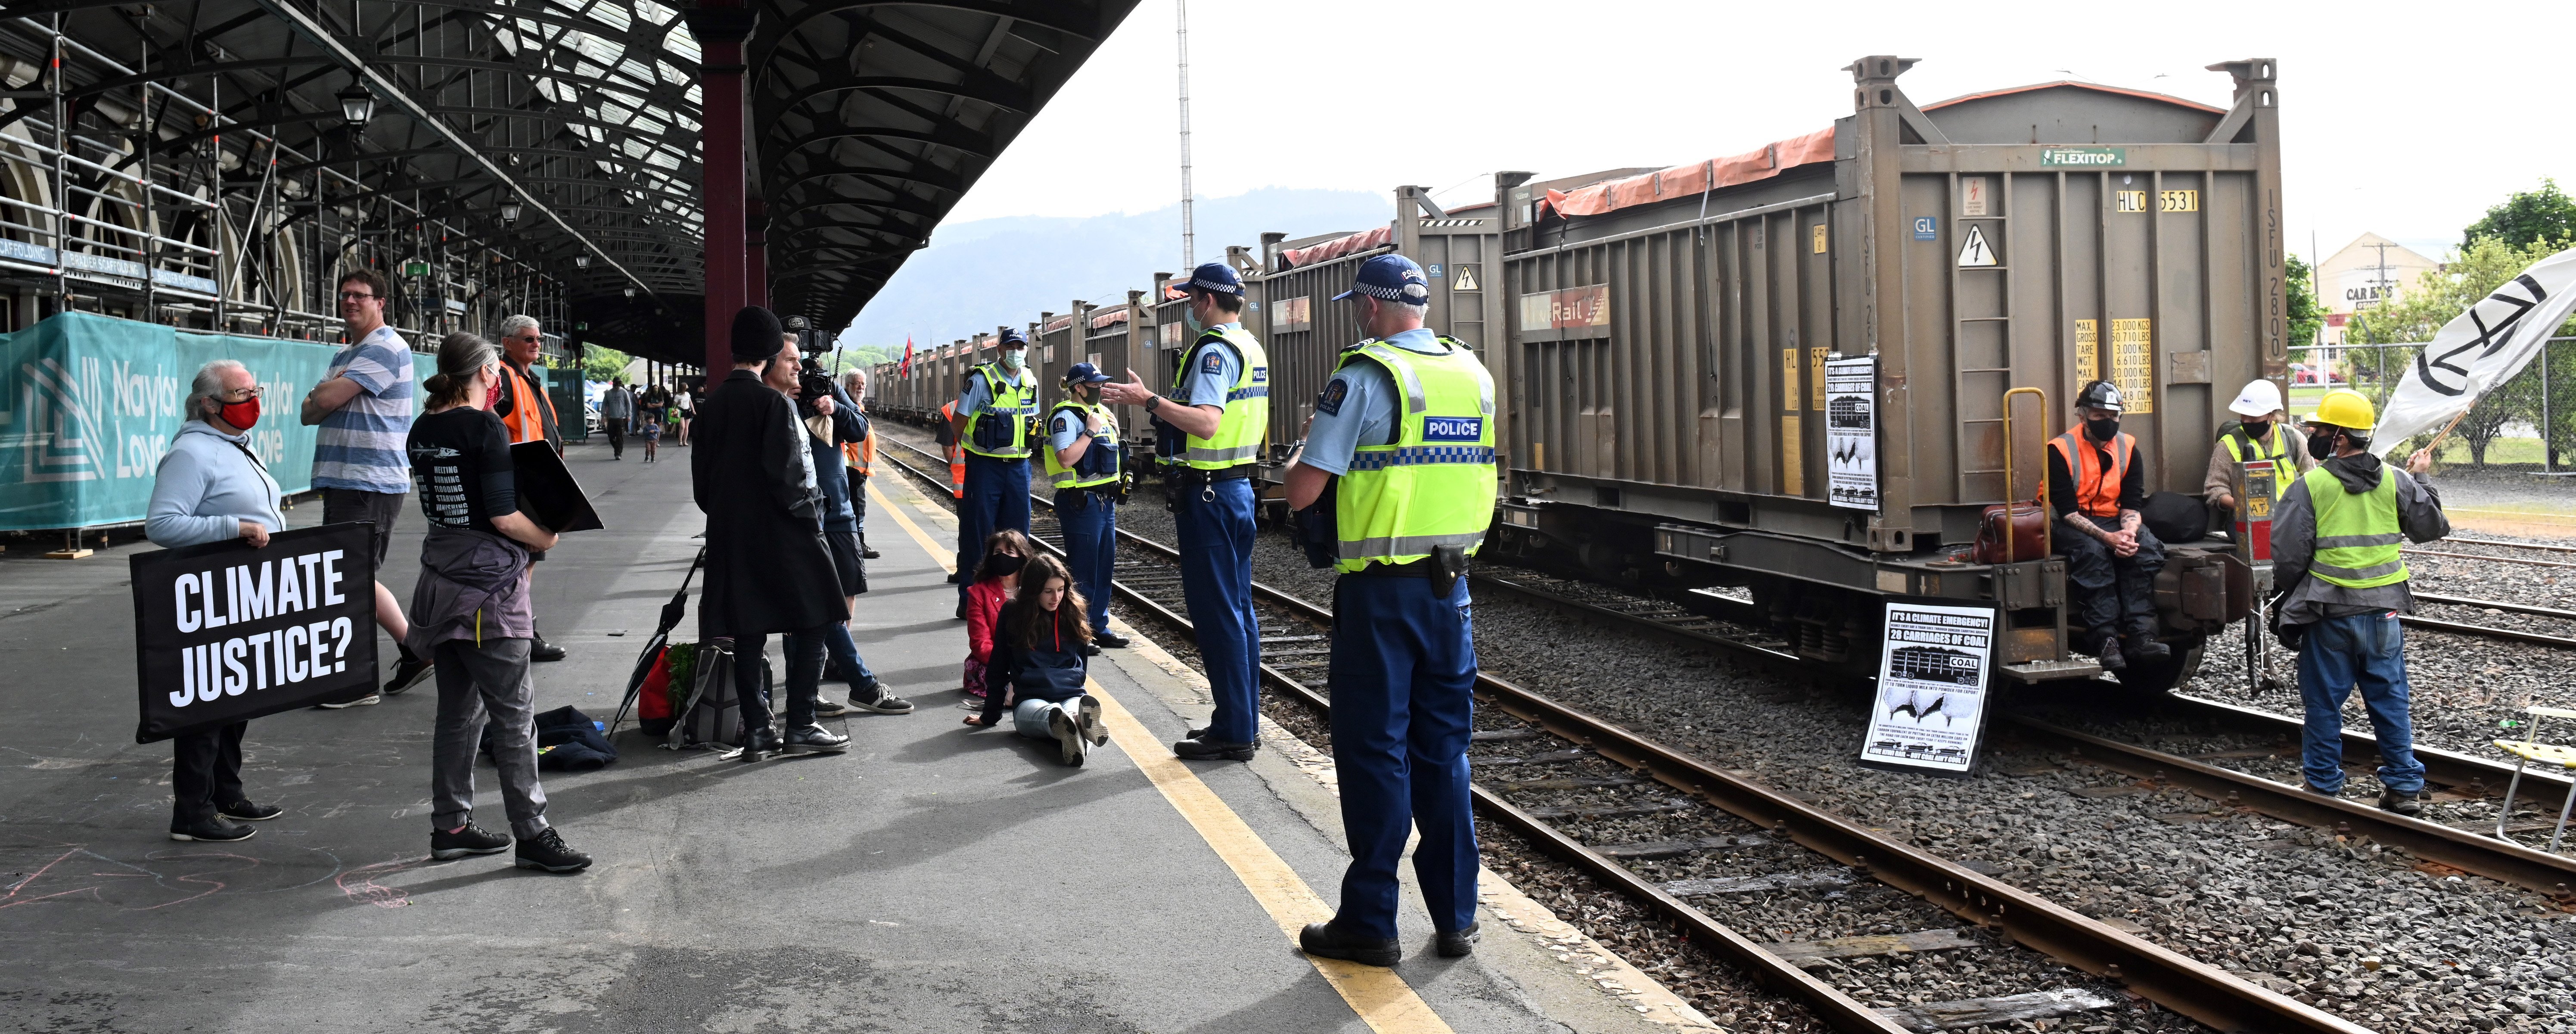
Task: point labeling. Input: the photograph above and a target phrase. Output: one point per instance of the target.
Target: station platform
(934, 878)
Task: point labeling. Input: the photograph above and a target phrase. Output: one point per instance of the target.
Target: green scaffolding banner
(89, 403)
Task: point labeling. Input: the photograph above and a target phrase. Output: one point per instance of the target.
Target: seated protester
(2260, 437)
(2097, 484)
(1038, 663)
(472, 612)
(210, 488)
(996, 579)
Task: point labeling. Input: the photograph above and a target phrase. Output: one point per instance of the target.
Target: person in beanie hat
(768, 570)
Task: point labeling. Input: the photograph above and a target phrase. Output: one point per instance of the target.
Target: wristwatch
(1152, 401)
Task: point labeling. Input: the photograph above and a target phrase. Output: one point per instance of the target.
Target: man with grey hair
(858, 457)
(529, 415)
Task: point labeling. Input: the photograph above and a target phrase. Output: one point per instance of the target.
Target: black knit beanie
(756, 334)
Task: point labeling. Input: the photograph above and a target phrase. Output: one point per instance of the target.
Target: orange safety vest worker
(2097, 487)
(533, 421)
(860, 455)
(956, 453)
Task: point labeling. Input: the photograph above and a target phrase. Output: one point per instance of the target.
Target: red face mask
(242, 415)
(492, 394)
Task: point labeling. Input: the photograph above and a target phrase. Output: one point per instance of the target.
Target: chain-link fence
(2538, 403)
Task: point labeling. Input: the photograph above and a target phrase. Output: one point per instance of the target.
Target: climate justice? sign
(224, 632)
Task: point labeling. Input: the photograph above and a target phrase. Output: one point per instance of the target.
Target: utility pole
(1189, 232)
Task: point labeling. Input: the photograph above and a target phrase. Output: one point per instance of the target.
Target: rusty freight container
(1291, 308)
(1672, 333)
(1052, 341)
(1117, 338)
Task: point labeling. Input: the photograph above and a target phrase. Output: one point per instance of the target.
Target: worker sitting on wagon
(2257, 437)
(2099, 487)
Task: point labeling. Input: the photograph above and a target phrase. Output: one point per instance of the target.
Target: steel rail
(2486, 631)
(2509, 545)
(2510, 608)
(2490, 559)
(2168, 978)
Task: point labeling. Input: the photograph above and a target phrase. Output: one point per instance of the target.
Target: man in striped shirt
(364, 407)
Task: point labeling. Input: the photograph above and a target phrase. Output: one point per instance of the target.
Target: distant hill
(995, 271)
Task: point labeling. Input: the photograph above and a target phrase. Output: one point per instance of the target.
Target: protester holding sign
(471, 612)
(210, 488)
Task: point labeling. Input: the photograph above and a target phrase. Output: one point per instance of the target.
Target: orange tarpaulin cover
(1338, 247)
(1695, 178)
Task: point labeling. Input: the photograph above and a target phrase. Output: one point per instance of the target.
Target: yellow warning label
(1466, 280)
(1793, 465)
(1820, 238)
(2133, 364)
(1816, 379)
(2088, 352)
(2178, 201)
(1789, 394)
(2129, 201)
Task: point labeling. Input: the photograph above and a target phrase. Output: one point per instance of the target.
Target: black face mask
(2257, 430)
(2102, 430)
(2321, 446)
(1002, 565)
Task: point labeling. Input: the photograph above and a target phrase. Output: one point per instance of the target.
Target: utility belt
(1180, 480)
(1444, 567)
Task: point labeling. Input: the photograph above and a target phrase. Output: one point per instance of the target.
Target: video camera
(811, 383)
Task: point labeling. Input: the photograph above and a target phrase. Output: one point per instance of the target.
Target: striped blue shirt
(361, 445)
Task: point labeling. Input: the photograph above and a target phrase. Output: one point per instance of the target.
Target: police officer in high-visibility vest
(2259, 437)
(2336, 540)
(995, 416)
(2098, 486)
(1083, 461)
(1211, 428)
(1400, 456)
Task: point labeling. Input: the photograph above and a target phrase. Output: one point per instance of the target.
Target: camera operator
(830, 419)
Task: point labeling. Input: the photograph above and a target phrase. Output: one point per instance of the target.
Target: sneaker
(1109, 639)
(1070, 744)
(217, 831)
(547, 851)
(815, 739)
(2409, 803)
(369, 700)
(473, 839)
(1458, 944)
(1088, 710)
(885, 703)
(408, 672)
(826, 707)
(245, 811)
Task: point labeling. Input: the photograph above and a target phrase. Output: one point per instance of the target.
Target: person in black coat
(768, 570)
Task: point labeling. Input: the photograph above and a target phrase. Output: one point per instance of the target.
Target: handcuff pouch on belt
(1317, 528)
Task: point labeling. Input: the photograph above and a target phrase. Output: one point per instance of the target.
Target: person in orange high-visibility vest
(956, 453)
(529, 415)
(859, 457)
(2098, 487)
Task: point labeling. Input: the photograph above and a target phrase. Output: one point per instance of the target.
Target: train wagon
(1290, 306)
(1795, 369)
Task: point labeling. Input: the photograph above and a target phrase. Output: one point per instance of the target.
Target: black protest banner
(224, 632)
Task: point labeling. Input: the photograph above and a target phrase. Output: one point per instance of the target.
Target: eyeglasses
(238, 394)
(356, 296)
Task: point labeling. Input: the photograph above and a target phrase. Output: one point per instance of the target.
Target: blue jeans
(1029, 717)
(1403, 675)
(1090, 523)
(997, 497)
(2369, 651)
(844, 654)
(1216, 579)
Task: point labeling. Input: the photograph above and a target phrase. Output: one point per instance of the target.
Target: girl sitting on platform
(1038, 664)
(997, 577)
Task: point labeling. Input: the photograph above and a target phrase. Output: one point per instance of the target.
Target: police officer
(1210, 431)
(2259, 437)
(994, 416)
(2336, 537)
(1400, 453)
(1082, 460)
(2098, 488)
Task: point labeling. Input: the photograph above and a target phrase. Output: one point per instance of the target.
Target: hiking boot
(2409, 803)
(1458, 944)
(1200, 748)
(867, 552)
(815, 739)
(245, 811)
(1109, 639)
(759, 743)
(2109, 654)
(2144, 648)
(213, 831)
(472, 839)
(1324, 941)
(1088, 712)
(1070, 746)
(548, 851)
(408, 672)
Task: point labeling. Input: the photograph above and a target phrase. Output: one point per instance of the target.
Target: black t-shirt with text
(460, 461)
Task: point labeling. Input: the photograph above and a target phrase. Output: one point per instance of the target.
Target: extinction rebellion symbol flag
(224, 632)
(2479, 349)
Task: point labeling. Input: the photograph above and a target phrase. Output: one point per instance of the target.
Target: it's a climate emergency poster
(1933, 671)
(224, 632)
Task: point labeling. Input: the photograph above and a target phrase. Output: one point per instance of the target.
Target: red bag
(2029, 534)
(654, 700)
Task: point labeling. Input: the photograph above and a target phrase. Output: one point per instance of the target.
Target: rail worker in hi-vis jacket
(1397, 475)
(1211, 428)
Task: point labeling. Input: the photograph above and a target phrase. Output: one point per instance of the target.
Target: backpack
(712, 718)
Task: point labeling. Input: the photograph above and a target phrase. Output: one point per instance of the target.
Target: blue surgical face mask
(1191, 317)
(1013, 357)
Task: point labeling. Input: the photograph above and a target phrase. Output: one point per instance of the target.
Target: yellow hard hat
(2345, 408)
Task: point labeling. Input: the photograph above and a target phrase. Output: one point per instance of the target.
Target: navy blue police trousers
(1403, 675)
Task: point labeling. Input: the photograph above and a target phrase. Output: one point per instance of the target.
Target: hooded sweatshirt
(206, 486)
(2294, 539)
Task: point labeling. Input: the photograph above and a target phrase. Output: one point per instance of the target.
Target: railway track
(1749, 816)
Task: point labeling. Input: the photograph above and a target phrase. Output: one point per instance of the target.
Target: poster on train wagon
(224, 632)
(1851, 432)
(1933, 670)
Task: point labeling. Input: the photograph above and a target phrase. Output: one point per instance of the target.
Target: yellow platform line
(1381, 998)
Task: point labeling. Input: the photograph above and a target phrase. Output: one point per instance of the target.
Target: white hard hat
(2260, 398)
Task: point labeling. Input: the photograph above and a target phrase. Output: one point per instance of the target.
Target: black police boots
(2108, 650)
(1200, 748)
(1324, 940)
(1457, 944)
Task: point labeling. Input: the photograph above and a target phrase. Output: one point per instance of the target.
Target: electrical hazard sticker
(1976, 253)
(1466, 280)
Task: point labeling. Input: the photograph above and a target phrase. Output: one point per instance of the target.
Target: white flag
(2479, 349)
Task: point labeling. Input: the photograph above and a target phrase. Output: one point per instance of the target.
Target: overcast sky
(2404, 120)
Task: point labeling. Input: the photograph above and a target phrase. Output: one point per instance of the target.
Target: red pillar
(755, 253)
(721, 26)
